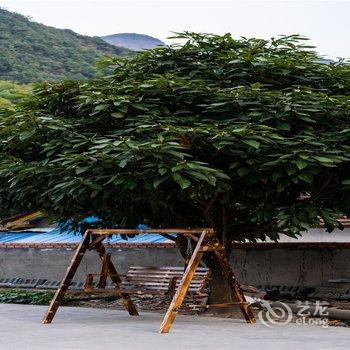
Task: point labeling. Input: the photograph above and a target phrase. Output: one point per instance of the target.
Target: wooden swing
(206, 242)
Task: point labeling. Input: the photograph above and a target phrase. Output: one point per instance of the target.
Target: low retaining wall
(256, 265)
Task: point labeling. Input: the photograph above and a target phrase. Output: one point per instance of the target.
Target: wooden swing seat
(153, 281)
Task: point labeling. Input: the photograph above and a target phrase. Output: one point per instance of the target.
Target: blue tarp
(63, 233)
(56, 236)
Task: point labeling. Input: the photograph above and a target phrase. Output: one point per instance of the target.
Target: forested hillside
(31, 51)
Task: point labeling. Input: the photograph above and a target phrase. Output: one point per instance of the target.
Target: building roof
(62, 236)
(57, 239)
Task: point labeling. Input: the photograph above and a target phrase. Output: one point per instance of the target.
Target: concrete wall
(53, 263)
(263, 266)
(282, 266)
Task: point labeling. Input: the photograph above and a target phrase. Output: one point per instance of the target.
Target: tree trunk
(220, 290)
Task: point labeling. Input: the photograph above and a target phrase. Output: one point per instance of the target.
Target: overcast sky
(325, 22)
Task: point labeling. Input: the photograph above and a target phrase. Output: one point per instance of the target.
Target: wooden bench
(151, 280)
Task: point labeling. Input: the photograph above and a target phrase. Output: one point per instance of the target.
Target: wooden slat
(152, 280)
(160, 280)
(162, 274)
(191, 289)
(167, 268)
(164, 271)
(207, 306)
(154, 283)
(118, 291)
(165, 284)
(140, 287)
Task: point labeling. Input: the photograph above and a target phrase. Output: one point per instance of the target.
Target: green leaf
(301, 164)
(243, 171)
(101, 107)
(177, 154)
(26, 135)
(162, 171)
(117, 115)
(276, 175)
(222, 175)
(123, 163)
(306, 119)
(252, 143)
(306, 177)
(183, 182)
(82, 169)
(93, 194)
(323, 159)
(157, 182)
(283, 126)
(95, 186)
(282, 223)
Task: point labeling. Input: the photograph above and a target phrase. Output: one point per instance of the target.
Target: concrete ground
(87, 328)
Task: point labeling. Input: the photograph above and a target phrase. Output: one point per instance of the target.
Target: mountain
(31, 51)
(133, 41)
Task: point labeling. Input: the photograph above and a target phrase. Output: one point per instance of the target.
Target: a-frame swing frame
(206, 241)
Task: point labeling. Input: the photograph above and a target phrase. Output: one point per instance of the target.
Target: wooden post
(67, 279)
(88, 282)
(181, 292)
(104, 271)
(234, 284)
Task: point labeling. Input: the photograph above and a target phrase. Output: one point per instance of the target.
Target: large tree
(249, 136)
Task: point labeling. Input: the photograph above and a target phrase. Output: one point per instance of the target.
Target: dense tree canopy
(11, 93)
(249, 136)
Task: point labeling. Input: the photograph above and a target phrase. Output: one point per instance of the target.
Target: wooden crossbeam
(120, 231)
